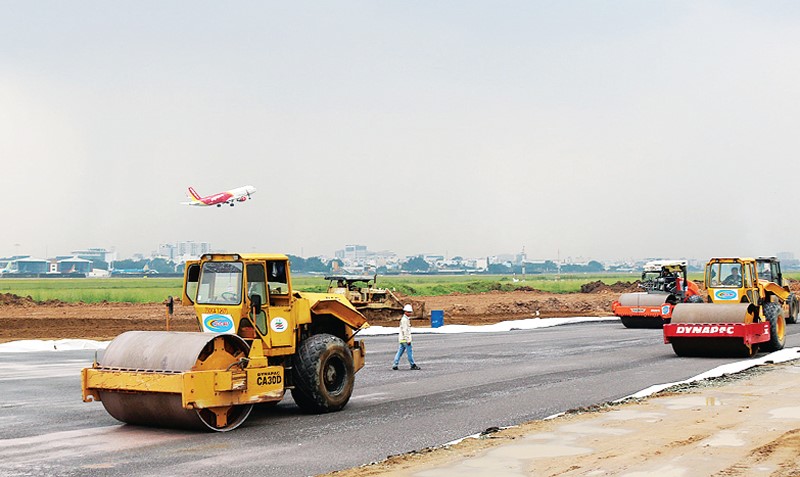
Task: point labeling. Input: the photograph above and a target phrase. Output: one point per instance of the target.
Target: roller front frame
(184, 380)
(716, 329)
(198, 389)
(749, 333)
(643, 310)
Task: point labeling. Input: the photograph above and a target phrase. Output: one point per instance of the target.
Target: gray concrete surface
(469, 382)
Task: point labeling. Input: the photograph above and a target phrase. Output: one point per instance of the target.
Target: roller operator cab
(745, 310)
(258, 338)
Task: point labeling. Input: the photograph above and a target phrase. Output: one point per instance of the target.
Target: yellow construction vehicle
(374, 302)
(259, 337)
(769, 269)
(743, 312)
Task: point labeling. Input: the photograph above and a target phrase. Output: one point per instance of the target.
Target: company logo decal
(278, 324)
(637, 310)
(665, 310)
(726, 294)
(703, 329)
(217, 323)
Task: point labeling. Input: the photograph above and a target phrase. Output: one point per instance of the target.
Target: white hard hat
(408, 308)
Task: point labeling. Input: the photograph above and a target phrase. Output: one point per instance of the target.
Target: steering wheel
(732, 281)
(229, 296)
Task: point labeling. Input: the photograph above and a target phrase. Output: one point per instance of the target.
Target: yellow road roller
(258, 337)
(742, 314)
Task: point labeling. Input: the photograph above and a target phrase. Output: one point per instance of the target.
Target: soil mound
(16, 300)
(11, 299)
(619, 287)
(526, 289)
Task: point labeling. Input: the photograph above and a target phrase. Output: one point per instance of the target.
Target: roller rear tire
(794, 309)
(712, 347)
(642, 322)
(777, 327)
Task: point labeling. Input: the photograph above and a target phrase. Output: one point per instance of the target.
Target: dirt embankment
(24, 318)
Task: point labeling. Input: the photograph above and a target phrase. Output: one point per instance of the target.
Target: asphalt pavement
(468, 383)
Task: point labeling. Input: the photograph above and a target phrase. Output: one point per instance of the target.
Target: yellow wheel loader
(743, 312)
(769, 269)
(258, 338)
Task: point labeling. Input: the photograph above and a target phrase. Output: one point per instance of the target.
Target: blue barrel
(437, 318)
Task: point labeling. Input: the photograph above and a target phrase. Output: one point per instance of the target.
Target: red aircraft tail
(194, 194)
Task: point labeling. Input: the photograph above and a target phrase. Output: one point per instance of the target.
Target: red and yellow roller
(744, 313)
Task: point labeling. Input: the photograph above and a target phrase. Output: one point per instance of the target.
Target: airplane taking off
(230, 197)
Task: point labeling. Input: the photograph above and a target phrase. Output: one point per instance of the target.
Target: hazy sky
(599, 129)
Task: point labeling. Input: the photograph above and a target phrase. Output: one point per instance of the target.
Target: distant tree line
(309, 265)
(547, 266)
(415, 264)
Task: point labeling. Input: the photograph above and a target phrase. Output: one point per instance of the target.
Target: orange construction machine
(665, 284)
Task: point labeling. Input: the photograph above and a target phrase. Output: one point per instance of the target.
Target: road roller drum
(708, 313)
(643, 299)
(170, 353)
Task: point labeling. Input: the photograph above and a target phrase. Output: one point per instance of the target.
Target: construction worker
(405, 339)
(734, 278)
(691, 287)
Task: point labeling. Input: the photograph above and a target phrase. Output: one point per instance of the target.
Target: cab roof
(250, 256)
(731, 259)
(657, 265)
(351, 278)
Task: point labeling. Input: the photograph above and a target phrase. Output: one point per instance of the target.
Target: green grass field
(150, 290)
(443, 285)
(94, 290)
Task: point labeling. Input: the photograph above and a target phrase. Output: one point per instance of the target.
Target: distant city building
(787, 260)
(74, 265)
(356, 254)
(108, 256)
(28, 265)
(5, 262)
(477, 264)
(521, 257)
(182, 251)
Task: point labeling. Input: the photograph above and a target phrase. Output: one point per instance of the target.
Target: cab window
(712, 275)
(192, 277)
(257, 285)
(276, 277)
(749, 276)
(764, 271)
(220, 283)
(256, 281)
(731, 274)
